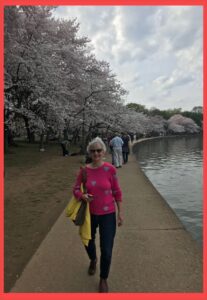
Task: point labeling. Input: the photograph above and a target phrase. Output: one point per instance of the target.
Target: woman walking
(125, 147)
(103, 191)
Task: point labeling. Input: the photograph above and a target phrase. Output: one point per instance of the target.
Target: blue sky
(155, 51)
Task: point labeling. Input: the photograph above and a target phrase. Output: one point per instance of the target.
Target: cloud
(181, 26)
(176, 79)
(156, 51)
(134, 23)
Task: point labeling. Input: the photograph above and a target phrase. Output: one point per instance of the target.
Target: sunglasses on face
(95, 150)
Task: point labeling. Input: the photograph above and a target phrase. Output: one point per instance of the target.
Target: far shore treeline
(55, 87)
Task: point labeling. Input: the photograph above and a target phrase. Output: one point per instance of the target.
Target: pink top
(103, 184)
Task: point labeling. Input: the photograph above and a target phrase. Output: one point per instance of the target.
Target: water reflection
(175, 166)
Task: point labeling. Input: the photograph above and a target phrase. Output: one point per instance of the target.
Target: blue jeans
(107, 230)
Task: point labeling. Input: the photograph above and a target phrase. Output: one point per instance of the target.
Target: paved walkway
(152, 253)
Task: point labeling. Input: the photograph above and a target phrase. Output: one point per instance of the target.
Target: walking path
(152, 253)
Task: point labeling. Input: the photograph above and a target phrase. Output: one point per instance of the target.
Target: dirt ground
(38, 186)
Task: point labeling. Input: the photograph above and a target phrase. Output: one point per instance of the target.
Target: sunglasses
(96, 150)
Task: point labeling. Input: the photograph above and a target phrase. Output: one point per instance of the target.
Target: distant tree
(197, 109)
(181, 124)
(159, 125)
(197, 117)
(166, 114)
(153, 111)
(137, 107)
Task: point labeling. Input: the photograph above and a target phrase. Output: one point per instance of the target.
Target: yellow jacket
(85, 229)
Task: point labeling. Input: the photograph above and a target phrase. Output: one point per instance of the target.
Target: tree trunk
(83, 139)
(47, 137)
(75, 137)
(65, 134)
(107, 131)
(41, 146)
(11, 141)
(6, 139)
(29, 137)
(32, 136)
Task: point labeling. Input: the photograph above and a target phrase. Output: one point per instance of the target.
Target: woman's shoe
(103, 286)
(92, 267)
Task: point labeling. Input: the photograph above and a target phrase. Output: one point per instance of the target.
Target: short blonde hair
(96, 140)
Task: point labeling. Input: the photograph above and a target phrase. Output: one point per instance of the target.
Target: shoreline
(166, 136)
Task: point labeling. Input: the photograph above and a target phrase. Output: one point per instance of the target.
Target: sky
(155, 51)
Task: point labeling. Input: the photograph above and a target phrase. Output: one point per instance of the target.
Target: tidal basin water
(174, 165)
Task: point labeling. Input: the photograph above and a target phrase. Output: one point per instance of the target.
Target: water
(175, 167)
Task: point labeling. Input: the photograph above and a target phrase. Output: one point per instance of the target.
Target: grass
(38, 186)
(27, 155)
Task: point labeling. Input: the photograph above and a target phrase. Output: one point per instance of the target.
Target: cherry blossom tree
(54, 84)
(180, 124)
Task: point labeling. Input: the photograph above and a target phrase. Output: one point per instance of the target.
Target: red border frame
(51, 296)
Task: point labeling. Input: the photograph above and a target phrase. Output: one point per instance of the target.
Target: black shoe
(103, 286)
(92, 267)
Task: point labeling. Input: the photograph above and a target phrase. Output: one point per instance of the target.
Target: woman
(103, 191)
(125, 147)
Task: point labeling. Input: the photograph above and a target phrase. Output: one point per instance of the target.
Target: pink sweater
(103, 184)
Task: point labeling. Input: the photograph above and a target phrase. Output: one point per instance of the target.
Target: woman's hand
(87, 197)
(120, 219)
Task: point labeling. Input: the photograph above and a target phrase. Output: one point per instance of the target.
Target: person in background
(131, 137)
(125, 147)
(103, 191)
(117, 144)
(65, 147)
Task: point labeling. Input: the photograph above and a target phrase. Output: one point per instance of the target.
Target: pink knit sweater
(103, 184)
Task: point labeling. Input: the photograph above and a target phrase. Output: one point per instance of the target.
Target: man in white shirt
(117, 143)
